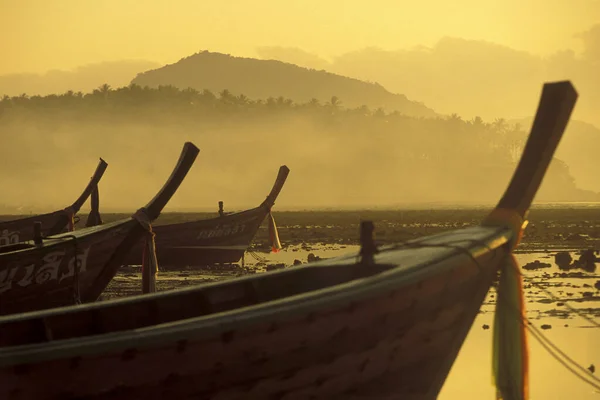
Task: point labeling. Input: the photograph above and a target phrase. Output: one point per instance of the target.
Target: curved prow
(91, 186)
(553, 113)
(186, 160)
(277, 186)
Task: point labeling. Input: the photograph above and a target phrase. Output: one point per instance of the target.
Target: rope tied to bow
(70, 212)
(504, 217)
(149, 259)
(510, 358)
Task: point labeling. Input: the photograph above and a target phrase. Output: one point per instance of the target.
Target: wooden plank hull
(217, 240)
(60, 272)
(21, 230)
(204, 242)
(335, 329)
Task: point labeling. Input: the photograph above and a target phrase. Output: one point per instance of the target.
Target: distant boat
(381, 323)
(21, 229)
(223, 239)
(77, 266)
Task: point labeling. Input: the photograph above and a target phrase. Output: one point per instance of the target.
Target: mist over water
(333, 165)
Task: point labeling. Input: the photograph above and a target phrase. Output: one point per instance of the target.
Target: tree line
(430, 148)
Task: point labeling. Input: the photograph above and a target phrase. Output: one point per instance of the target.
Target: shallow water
(471, 375)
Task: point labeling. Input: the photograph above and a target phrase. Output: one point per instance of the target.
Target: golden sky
(38, 35)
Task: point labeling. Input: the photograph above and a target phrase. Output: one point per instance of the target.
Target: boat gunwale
(209, 325)
(66, 237)
(264, 206)
(211, 220)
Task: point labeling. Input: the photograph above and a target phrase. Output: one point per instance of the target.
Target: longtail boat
(222, 239)
(76, 267)
(386, 322)
(20, 230)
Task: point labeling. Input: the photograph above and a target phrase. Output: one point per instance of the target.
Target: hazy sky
(38, 35)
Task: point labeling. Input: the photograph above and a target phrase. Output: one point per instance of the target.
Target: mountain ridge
(262, 79)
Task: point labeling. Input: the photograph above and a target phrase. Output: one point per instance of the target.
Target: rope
(572, 309)
(503, 217)
(552, 349)
(70, 212)
(475, 241)
(149, 259)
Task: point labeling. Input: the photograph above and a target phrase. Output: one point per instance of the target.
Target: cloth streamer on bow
(70, 218)
(273, 234)
(149, 259)
(510, 351)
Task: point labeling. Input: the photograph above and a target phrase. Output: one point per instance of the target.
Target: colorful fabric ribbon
(149, 258)
(273, 234)
(510, 353)
(70, 218)
(510, 358)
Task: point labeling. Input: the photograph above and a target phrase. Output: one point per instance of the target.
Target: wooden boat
(223, 239)
(20, 230)
(76, 267)
(383, 323)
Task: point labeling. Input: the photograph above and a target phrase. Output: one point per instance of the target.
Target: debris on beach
(536, 265)
(563, 259)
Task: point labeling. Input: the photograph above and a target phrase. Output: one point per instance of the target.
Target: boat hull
(76, 267)
(395, 333)
(204, 242)
(59, 273)
(21, 230)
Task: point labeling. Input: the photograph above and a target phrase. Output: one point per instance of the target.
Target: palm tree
(379, 112)
(243, 99)
(104, 89)
(500, 125)
(208, 96)
(477, 122)
(454, 117)
(226, 96)
(335, 102)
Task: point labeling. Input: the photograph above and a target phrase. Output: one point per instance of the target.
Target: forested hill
(339, 157)
(269, 78)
